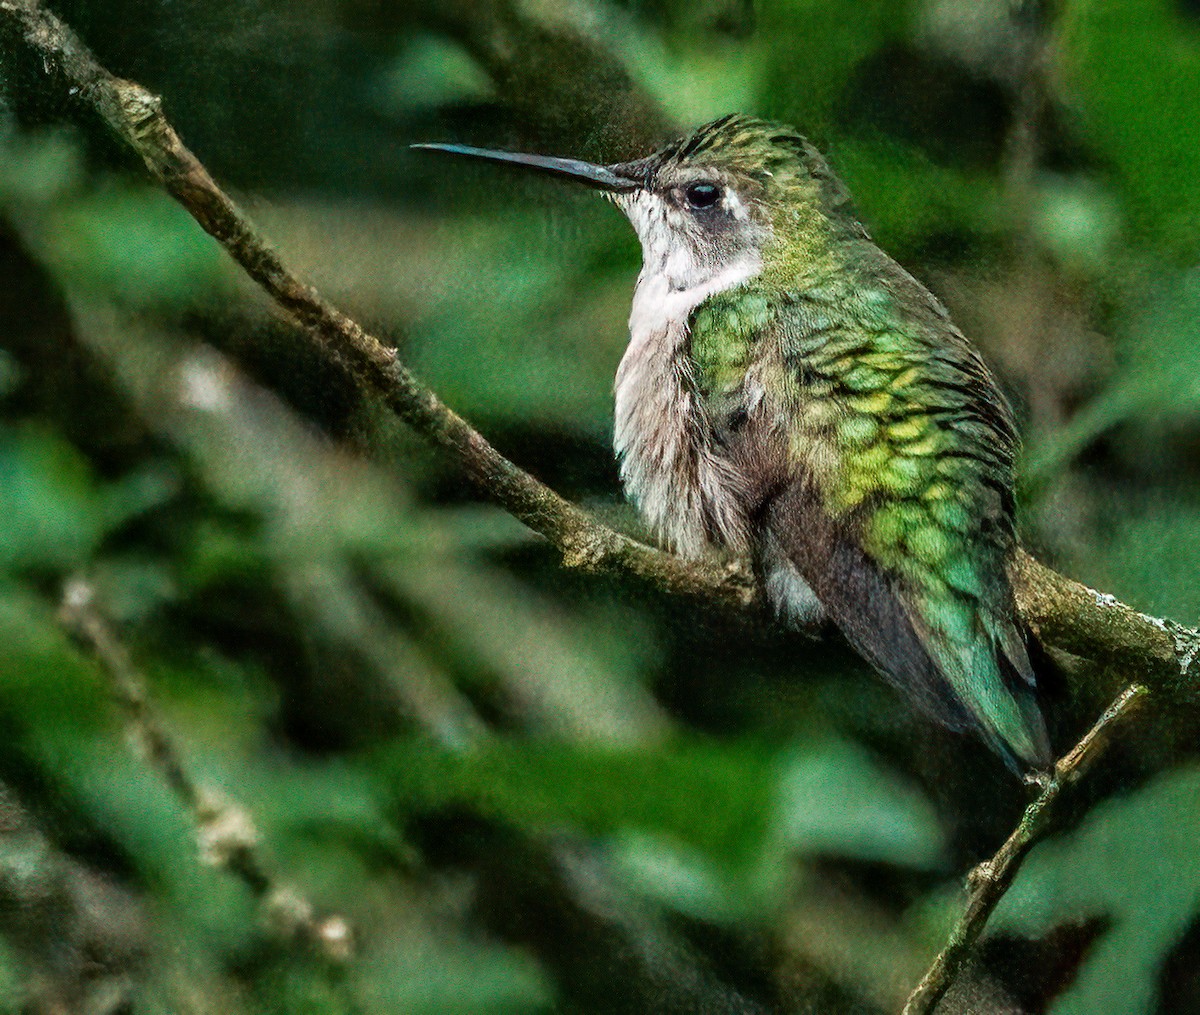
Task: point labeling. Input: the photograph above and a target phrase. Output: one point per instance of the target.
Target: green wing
(892, 451)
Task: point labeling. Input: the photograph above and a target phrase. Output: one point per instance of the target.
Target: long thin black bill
(600, 177)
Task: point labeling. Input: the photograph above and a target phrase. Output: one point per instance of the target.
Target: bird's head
(735, 193)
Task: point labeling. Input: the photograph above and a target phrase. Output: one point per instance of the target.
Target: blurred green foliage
(529, 791)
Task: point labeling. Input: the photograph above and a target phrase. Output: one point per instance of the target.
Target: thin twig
(1061, 612)
(225, 832)
(989, 881)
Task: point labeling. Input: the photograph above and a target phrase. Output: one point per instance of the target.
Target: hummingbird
(792, 396)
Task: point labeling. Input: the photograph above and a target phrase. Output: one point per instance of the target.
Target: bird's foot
(1039, 779)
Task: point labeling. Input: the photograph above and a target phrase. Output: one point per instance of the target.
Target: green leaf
(432, 976)
(1134, 75)
(813, 47)
(1159, 379)
(135, 245)
(1149, 560)
(714, 798)
(54, 515)
(840, 801)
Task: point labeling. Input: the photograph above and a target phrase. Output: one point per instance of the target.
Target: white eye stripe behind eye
(735, 206)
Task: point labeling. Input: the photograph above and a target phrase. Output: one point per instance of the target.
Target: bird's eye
(702, 195)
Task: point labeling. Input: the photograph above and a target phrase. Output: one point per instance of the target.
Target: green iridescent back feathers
(890, 446)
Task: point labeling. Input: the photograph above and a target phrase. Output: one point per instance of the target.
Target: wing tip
(1025, 745)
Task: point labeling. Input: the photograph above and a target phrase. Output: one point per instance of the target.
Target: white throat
(676, 277)
(661, 306)
(689, 495)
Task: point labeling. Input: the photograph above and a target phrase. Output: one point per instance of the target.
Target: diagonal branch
(1062, 613)
(225, 832)
(989, 881)
(135, 115)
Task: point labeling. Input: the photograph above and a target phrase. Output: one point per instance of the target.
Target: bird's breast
(686, 490)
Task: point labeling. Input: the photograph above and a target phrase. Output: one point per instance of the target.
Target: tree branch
(225, 832)
(988, 882)
(135, 115)
(1062, 613)
(1070, 617)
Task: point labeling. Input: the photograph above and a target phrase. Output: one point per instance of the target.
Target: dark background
(530, 790)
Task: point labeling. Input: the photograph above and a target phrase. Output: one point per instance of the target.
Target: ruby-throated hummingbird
(794, 396)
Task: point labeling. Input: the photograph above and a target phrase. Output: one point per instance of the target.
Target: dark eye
(702, 195)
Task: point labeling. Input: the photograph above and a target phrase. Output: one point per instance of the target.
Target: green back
(879, 406)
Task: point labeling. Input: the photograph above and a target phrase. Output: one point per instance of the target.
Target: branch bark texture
(1062, 613)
